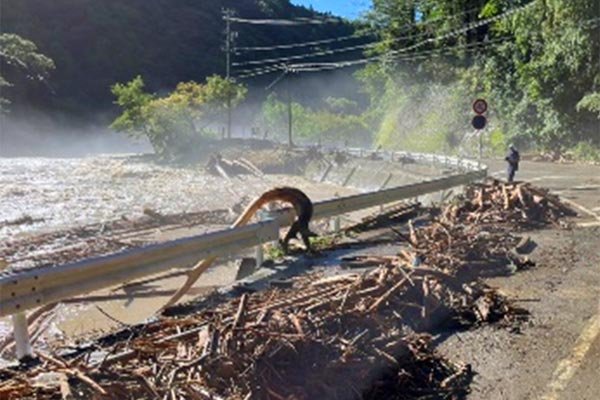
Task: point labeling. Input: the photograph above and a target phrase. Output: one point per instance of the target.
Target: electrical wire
(472, 47)
(447, 35)
(285, 22)
(239, 50)
(349, 37)
(317, 67)
(347, 49)
(398, 54)
(306, 55)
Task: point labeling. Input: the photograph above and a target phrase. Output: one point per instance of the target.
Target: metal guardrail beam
(29, 289)
(34, 287)
(333, 207)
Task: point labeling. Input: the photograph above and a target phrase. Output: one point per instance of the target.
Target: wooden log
(239, 316)
(386, 295)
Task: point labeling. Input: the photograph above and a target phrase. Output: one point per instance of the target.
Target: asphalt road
(557, 354)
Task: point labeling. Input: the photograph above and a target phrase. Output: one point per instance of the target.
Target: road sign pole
(480, 145)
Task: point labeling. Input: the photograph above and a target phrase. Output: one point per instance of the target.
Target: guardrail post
(349, 176)
(259, 253)
(324, 176)
(386, 181)
(337, 224)
(22, 342)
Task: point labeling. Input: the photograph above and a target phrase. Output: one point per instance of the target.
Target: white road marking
(543, 178)
(566, 368)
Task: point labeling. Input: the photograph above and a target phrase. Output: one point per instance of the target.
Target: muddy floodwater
(41, 195)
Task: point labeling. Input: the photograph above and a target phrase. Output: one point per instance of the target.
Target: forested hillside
(97, 43)
(537, 62)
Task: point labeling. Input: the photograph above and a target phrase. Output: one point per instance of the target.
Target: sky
(344, 8)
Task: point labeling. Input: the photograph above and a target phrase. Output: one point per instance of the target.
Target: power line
(410, 56)
(305, 55)
(349, 37)
(401, 55)
(394, 53)
(286, 22)
(302, 44)
(350, 48)
(317, 67)
(447, 35)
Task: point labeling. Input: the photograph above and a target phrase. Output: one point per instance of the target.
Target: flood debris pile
(474, 235)
(361, 334)
(217, 165)
(275, 160)
(349, 336)
(494, 201)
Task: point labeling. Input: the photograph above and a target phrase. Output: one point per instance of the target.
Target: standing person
(512, 159)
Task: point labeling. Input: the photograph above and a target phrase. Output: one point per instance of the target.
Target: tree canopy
(419, 66)
(538, 68)
(97, 43)
(21, 56)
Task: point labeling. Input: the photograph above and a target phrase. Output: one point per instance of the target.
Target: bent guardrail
(25, 290)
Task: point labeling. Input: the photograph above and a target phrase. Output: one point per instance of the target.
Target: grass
(319, 243)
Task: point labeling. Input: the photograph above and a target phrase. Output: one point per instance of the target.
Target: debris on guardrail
(359, 334)
(397, 214)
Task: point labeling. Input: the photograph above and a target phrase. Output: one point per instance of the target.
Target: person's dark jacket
(513, 159)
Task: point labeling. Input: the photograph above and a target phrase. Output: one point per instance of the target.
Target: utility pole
(286, 74)
(227, 14)
(290, 114)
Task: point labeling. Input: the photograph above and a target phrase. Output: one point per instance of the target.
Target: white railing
(24, 290)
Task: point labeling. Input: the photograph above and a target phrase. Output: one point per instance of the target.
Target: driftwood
(219, 166)
(325, 336)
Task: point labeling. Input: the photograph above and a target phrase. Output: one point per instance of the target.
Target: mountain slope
(97, 43)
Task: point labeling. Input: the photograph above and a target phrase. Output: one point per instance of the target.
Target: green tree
(22, 55)
(133, 100)
(543, 80)
(174, 123)
(326, 126)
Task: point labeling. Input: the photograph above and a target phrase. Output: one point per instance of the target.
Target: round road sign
(480, 106)
(479, 122)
